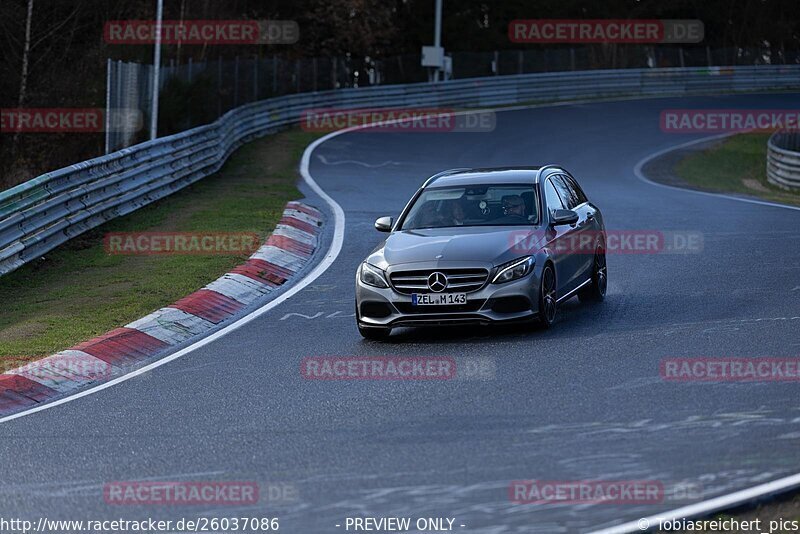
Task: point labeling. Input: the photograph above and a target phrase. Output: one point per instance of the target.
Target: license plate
(438, 299)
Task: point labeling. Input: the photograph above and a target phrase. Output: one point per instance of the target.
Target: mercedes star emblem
(437, 282)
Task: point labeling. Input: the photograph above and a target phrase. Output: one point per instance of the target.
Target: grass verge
(735, 165)
(79, 291)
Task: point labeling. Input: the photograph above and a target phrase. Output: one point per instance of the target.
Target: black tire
(374, 334)
(548, 305)
(596, 291)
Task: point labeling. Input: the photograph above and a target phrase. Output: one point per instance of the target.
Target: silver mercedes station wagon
(481, 246)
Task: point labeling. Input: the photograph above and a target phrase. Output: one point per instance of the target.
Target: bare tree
(26, 55)
(23, 79)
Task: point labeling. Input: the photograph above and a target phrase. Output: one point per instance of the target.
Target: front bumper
(493, 303)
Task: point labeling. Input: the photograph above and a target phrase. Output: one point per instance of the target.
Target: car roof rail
(543, 168)
(438, 175)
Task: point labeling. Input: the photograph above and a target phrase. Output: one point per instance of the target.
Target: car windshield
(474, 205)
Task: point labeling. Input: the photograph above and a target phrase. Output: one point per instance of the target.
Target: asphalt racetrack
(583, 400)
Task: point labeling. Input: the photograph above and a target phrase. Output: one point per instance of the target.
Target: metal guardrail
(43, 213)
(783, 160)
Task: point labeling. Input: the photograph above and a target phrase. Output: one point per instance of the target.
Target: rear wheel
(596, 291)
(547, 297)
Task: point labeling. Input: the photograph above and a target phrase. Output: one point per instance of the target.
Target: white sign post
(433, 56)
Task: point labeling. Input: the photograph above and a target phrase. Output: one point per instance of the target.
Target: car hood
(488, 245)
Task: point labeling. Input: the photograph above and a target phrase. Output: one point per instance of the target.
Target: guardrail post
(335, 73)
(117, 100)
(274, 75)
(108, 105)
(189, 108)
(255, 79)
(219, 86)
(236, 83)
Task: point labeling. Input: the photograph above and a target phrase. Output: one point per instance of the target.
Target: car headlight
(372, 276)
(514, 270)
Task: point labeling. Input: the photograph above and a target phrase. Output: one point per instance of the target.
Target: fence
(43, 213)
(199, 92)
(128, 87)
(783, 160)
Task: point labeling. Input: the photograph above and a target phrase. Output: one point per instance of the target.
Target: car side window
(576, 189)
(554, 202)
(565, 192)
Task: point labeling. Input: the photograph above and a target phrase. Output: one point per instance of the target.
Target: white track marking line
(706, 507)
(325, 161)
(637, 170)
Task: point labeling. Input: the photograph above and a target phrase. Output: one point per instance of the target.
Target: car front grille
(471, 306)
(458, 280)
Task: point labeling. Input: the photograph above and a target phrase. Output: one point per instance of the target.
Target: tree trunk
(23, 82)
(26, 53)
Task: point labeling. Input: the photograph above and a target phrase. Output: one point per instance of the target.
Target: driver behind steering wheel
(513, 206)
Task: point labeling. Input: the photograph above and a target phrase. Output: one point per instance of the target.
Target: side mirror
(560, 217)
(384, 224)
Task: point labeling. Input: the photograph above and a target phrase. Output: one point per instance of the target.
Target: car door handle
(590, 217)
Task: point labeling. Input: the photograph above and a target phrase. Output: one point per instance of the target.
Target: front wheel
(547, 297)
(596, 291)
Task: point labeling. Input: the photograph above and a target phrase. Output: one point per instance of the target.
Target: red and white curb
(287, 250)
